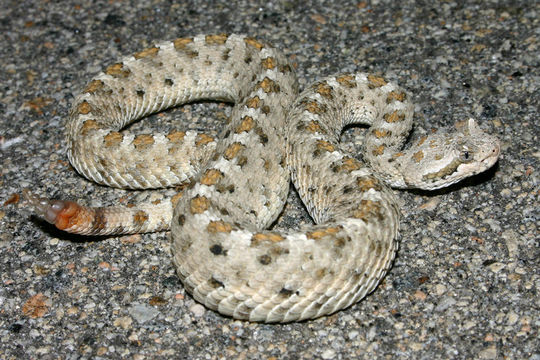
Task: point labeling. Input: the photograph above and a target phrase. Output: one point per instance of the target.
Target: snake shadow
(51, 231)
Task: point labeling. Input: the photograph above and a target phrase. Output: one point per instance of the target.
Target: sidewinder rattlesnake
(223, 252)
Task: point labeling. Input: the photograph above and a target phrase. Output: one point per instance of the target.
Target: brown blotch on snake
(114, 138)
(117, 71)
(150, 52)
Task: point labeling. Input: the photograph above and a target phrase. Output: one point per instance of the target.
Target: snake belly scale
(223, 251)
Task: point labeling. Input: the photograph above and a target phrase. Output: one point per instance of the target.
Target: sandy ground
(465, 282)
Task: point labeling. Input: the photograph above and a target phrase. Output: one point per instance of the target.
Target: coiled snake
(223, 252)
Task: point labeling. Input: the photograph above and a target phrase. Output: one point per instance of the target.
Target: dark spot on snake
(192, 54)
(227, 133)
(339, 242)
(181, 220)
(286, 292)
(140, 93)
(278, 250)
(242, 160)
(169, 82)
(222, 188)
(215, 283)
(347, 189)
(248, 59)
(218, 250)
(265, 259)
(224, 211)
(100, 220)
(225, 55)
(262, 136)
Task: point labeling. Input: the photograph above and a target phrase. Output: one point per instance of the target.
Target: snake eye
(465, 156)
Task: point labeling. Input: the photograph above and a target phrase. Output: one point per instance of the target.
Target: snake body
(223, 251)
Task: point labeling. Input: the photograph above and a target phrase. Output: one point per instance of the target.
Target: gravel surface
(465, 282)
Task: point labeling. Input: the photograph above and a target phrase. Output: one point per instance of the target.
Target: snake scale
(224, 252)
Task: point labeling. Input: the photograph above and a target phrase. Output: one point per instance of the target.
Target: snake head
(447, 157)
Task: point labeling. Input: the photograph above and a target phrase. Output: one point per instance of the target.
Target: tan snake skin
(223, 252)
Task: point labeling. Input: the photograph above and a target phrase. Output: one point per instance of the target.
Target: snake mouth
(491, 156)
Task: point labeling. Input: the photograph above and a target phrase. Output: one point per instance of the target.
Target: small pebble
(143, 313)
(197, 309)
